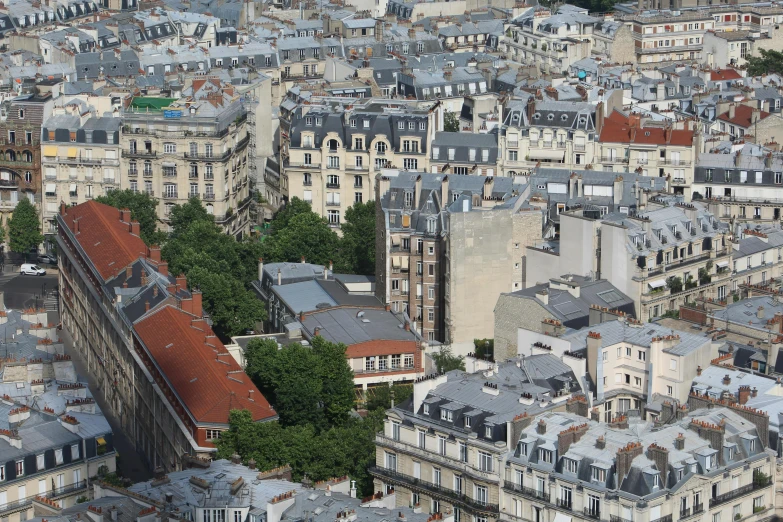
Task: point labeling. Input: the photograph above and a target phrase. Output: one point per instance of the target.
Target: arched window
(332, 145)
(28, 177)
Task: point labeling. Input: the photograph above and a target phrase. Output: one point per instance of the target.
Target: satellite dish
(581, 75)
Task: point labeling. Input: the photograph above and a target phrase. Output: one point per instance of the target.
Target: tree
(379, 398)
(293, 208)
(307, 386)
(24, 228)
(675, 284)
(770, 62)
(348, 449)
(358, 242)
(446, 361)
(233, 309)
(450, 122)
(704, 274)
(305, 234)
(144, 209)
(182, 216)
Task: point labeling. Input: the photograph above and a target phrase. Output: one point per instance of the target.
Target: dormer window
(752, 444)
(656, 481)
(318, 121)
(545, 455)
(426, 409)
(467, 422)
(522, 448)
(569, 465)
(598, 474)
(308, 121)
(446, 415)
(488, 432)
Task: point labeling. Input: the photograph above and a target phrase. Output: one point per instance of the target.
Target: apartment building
(757, 258)
(552, 133)
(81, 159)
(332, 148)
(635, 143)
(194, 146)
(464, 154)
(448, 86)
(734, 47)
(709, 464)
(444, 448)
(665, 254)
(163, 373)
(447, 246)
(667, 36)
(551, 42)
(304, 57)
(20, 157)
(741, 185)
(54, 437)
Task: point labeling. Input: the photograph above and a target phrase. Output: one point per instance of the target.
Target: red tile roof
(725, 74)
(617, 129)
(742, 116)
(206, 377)
(370, 348)
(105, 239)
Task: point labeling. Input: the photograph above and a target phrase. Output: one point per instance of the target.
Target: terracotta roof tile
(370, 348)
(207, 379)
(617, 129)
(725, 74)
(105, 239)
(742, 116)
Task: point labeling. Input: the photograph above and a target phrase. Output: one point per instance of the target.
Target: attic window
(582, 121)
(550, 117)
(563, 117)
(536, 116)
(647, 133)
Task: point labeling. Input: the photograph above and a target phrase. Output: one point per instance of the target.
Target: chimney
(163, 268)
(726, 380)
(236, 459)
(541, 428)
(251, 464)
(660, 456)
(387, 307)
(732, 111)
(301, 317)
(260, 269)
(331, 266)
(146, 306)
(135, 228)
(128, 271)
(279, 277)
(76, 226)
(198, 309)
(531, 109)
(624, 457)
(378, 30)
(182, 282)
(600, 442)
(754, 115)
(754, 392)
(303, 259)
(62, 208)
(698, 371)
(744, 394)
(679, 442)
(154, 253)
(125, 215)
(316, 331)
(412, 33)
(407, 326)
(594, 345)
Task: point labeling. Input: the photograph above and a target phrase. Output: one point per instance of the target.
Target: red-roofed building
(655, 149)
(740, 119)
(162, 371)
(723, 75)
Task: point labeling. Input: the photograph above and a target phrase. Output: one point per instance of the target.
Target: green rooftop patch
(151, 103)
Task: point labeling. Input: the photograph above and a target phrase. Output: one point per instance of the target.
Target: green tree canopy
(144, 209)
(292, 208)
(233, 309)
(305, 234)
(306, 385)
(380, 397)
(770, 61)
(450, 122)
(358, 241)
(445, 360)
(348, 449)
(182, 216)
(24, 228)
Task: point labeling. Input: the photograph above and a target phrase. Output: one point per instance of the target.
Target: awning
(657, 284)
(51, 188)
(50, 150)
(559, 517)
(71, 152)
(101, 441)
(73, 188)
(722, 264)
(547, 154)
(405, 262)
(169, 164)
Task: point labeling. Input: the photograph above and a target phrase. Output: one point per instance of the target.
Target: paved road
(20, 292)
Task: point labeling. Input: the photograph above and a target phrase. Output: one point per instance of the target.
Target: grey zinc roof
(316, 506)
(304, 296)
(352, 325)
(613, 332)
(744, 312)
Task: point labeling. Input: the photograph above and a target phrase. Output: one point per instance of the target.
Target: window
(395, 430)
(58, 456)
(421, 434)
(669, 391)
(569, 465)
(442, 444)
(74, 451)
(545, 455)
(458, 483)
(395, 359)
(391, 461)
(463, 451)
(40, 464)
(213, 434)
(672, 364)
(642, 355)
(446, 415)
(484, 461)
(512, 155)
(333, 216)
(488, 432)
(605, 356)
(410, 163)
(598, 474)
(19, 468)
(481, 494)
(170, 148)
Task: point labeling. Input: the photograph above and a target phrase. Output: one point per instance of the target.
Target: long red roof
(205, 376)
(617, 129)
(742, 116)
(105, 239)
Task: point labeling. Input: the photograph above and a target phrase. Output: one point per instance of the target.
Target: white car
(31, 269)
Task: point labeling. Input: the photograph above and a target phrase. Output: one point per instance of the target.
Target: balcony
(665, 518)
(150, 193)
(535, 143)
(561, 144)
(332, 203)
(333, 185)
(674, 162)
(579, 147)
(512, 144)
(67, 490)
(307, 183)
(592, 513)
(615, 518)
(429, 488)
(147, 173)
(208, 197)
(529, 492)
(547, 145)
(137, 153)
(740, 491)
(133, 173)
(17, 505)
(563, 503)
(170, 195)
(614, 159)
(220, 156)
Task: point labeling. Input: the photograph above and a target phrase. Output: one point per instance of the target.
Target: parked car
(47, 259)
(31, 269)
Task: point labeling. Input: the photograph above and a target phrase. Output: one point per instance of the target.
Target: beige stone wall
(526, 230)
(622, 49)
(511, 314)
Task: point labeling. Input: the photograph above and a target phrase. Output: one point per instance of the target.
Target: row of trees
(317, 433)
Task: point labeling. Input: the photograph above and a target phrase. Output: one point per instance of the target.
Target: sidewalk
(130, 464)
